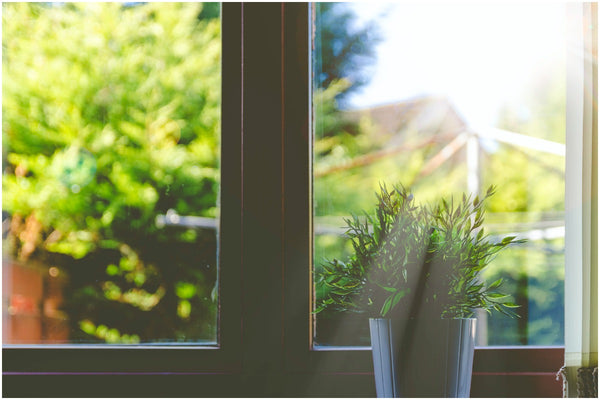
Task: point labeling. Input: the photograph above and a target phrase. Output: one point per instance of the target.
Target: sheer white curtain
(581, 199)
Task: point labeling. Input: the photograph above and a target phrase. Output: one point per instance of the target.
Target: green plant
(414, 260)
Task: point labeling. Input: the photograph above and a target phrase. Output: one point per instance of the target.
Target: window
(147, 361)
(471, 111)
(264, 345)
(111, 176)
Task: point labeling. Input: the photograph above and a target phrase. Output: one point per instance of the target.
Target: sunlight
(479, 56)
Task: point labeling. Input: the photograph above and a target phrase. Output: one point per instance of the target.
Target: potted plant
(416, 273)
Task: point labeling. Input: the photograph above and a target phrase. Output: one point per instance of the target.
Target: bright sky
(479, 55)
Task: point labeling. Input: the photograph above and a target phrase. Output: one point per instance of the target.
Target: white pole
(474, 187)
(520, 140)
(473, 167)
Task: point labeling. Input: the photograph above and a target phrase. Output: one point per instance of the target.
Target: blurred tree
(345, 49)
(111, 115)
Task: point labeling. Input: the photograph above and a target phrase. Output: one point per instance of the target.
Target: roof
(424, 117)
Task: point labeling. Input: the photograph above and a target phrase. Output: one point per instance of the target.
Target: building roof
(423, 117)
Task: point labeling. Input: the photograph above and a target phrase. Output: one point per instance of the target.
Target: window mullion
(297, 184)
(262, 272)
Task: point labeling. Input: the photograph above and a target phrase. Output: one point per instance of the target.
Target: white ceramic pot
(422, 357)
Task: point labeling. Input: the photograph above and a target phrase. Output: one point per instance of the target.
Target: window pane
(111, 152)
(446, 99)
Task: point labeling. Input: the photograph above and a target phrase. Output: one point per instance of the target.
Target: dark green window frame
(265, 256)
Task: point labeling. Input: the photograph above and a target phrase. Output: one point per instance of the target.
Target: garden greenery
(414, 260)
(111, 116)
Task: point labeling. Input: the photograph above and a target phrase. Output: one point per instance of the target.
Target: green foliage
(111, 115)
(415, 260)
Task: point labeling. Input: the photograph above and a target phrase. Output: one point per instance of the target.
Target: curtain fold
(580, 373)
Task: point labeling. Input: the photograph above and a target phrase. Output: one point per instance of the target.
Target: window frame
(167, 370)
(265, 248)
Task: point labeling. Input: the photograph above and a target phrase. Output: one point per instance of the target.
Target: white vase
(423, 357)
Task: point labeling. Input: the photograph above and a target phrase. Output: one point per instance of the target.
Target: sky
(479, 55)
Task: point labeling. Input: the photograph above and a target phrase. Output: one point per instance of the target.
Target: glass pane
(445, 99)
(111, 152)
